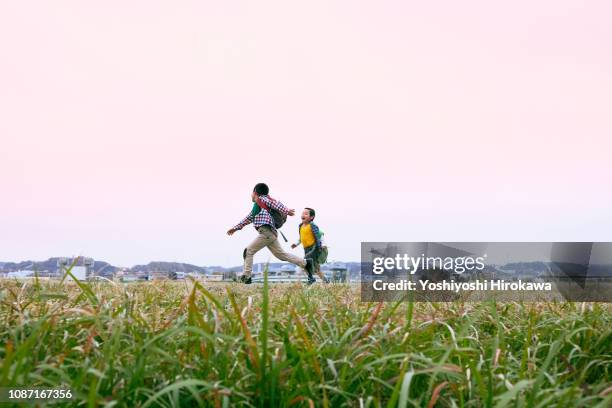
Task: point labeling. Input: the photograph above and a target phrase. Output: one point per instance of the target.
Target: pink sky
(134, 131)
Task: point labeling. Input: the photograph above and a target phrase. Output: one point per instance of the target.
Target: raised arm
(245, 221)
(299, 241)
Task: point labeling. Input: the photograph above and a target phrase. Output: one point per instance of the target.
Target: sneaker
(311, 280)
(245, 279)
(325, 280)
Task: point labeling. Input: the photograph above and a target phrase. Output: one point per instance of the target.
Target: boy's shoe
(246, 279)
(311, 280)
(325, 280)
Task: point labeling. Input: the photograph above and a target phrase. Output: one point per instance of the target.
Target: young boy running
(267, 237)
(310, 238)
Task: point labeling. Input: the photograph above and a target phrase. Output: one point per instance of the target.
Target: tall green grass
(171, 344)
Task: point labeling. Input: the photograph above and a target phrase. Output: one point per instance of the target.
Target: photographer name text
(453, 286)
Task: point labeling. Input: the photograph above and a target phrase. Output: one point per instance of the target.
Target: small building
(177, 275)
(20, 274)
(288, 269)
(157, 275)
(81, 268)
(230, 275)
(337, 272)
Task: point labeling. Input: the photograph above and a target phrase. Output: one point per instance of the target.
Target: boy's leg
(310, 253)
(258, 243)
(314, 255)
(278, 251)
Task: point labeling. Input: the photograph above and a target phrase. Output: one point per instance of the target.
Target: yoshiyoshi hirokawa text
(445, 285)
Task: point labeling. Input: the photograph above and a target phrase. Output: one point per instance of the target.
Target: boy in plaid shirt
(267, 237)
(310, 238)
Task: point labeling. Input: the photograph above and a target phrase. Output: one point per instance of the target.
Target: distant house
(20, 274)
(177, 275)
(229, 275)
(213, 277)
(80, 267)
(156, 275)
(337, 272)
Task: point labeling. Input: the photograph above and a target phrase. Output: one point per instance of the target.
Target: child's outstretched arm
(299, 241)
(245, 221)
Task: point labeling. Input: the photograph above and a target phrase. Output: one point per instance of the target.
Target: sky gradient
(135, 131)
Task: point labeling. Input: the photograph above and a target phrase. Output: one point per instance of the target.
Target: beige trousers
(268, 238)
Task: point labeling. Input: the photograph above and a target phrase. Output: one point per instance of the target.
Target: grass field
(182, 344)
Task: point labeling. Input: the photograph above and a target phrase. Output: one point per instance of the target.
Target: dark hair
(311, 211)
(261, 189)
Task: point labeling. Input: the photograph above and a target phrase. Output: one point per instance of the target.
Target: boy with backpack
(310, 238)
(267, 216)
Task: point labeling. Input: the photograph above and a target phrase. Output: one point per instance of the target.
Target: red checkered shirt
(263, 217)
